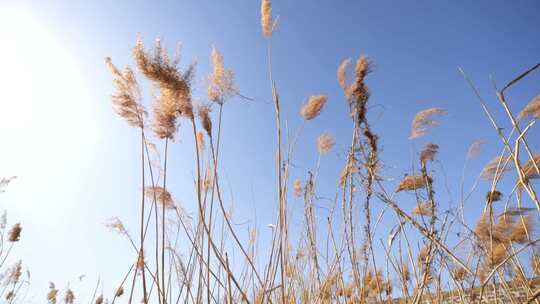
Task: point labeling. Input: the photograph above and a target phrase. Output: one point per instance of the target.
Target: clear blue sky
(84, 158)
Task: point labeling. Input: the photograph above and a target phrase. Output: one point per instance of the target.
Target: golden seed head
(221, 84)
(204, 116)
(423, 208)
(412, 182)
(119, 291)
(200, 142)
(532, 109)
(522, 230)
(174, 86)
(342, 73)
(313, 107)
(266, 18)
(127, 98)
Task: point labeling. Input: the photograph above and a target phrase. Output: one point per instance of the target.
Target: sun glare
(45, 113)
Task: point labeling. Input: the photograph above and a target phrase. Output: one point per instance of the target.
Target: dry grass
(358, 245)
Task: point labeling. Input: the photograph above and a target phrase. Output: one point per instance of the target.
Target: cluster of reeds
(196, 256)
(14, 281)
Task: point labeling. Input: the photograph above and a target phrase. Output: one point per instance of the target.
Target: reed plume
(115, 224)
(460, 274)
(163, 197)
(428, 152)
(266, 18)
(522, 230)
(529, 169)
(342, 74)
(496, 168)
(496, 255)
(423, 208)
(204, 115)
(69, 296)
(119, 292)
(127, 98)
(474, 149)
(99, 300)
(221, 80)
(52, 294)
(423, 120)
(358, 90)
(313, 107)
(298, 189)
(532, 109)
(174, 99)
(15, 233)
(200, 142)
(412, 182)
(325, 143)
(493, 196)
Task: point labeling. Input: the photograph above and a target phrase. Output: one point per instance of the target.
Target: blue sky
(77, 161)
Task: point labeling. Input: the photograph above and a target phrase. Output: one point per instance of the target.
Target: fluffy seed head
(200, 142)
(204, 116)
(99, 299)
(474, 149)
(69, 296)
(412, 182)
(529, 168)
(532, 109)
(325, 143)
(522, 230)
(52, 294)
(15, 233)
(127, 98)
(405, 273)
(428, 152)
(423, 255)
(221, 84)
(115, 224)
(342, 73)
(423, 208)
(423, 120)
(119, 291)
(266, 18)
(298, 189)
(313, 107)
(162, 196)
(174, 87)
(496, 168)
(460, 274)
(493, 196)
(497, 255)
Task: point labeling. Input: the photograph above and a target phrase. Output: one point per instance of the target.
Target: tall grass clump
(347, 253)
